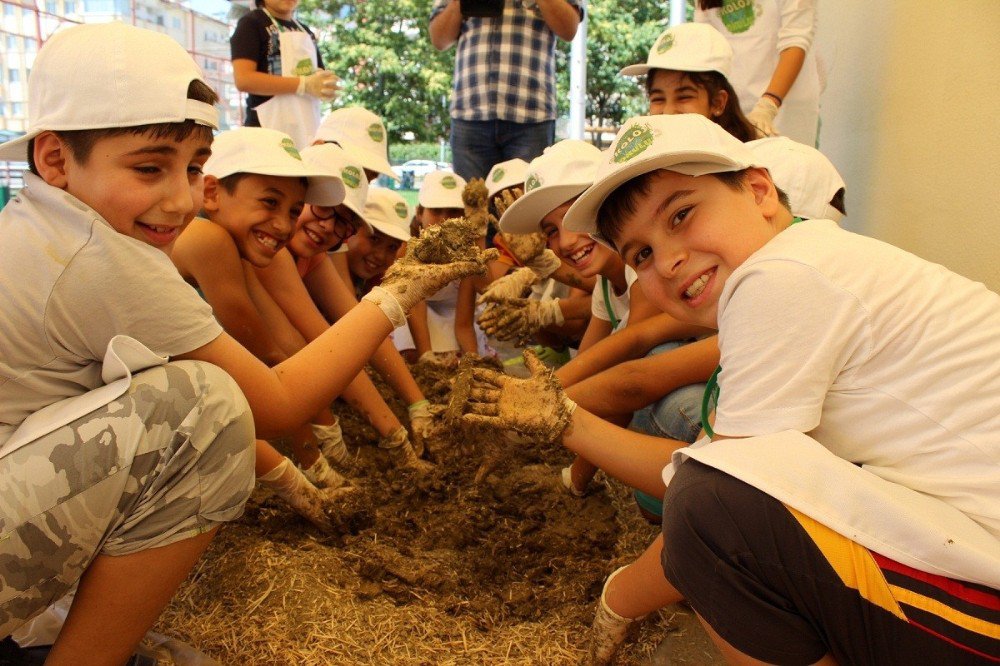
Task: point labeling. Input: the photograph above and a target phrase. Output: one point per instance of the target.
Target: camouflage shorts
(169, 459)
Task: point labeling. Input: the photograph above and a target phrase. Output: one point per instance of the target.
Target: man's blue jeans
(476, 145)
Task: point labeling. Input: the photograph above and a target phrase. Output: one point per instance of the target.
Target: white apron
(295, 115)
(123, 356)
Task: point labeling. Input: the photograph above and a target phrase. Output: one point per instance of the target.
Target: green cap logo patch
(665, 43)
(449, 182)
(290, 148)
(638, 138)
(533, 182)
(376, 132)
(351, 175)
(498, 174)
(401, 210)
(738, 15)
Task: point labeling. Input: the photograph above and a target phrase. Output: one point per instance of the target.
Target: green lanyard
(607, 302)
(711, 397)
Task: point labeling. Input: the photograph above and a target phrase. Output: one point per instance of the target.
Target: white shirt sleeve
(597, 306)
(786, 334)
(798, 24)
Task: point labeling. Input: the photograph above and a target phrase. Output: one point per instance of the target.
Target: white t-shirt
(606, 305)
(887, 360)
(758, 30)
(68, 284)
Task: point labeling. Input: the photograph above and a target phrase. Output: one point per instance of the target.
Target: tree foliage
(381, 50)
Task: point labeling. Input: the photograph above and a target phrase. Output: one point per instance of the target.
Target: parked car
(411, 173)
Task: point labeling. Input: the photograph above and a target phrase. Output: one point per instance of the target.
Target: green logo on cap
(498, 174)
(636, 139)
(738, 15)
(401, 210)
(665, 43)
(376, 132)
(449, 182)
(351, 175)
(533, 182)
(290, 148)
(304, 67)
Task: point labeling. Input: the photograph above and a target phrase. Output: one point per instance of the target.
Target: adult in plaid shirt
(503, 104)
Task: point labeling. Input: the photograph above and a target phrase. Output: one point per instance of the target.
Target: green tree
(382, 52)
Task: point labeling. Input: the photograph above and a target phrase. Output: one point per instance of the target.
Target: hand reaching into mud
(535, 408)
(519, 318)
(512, 285)
(476, 198)
(441, 254)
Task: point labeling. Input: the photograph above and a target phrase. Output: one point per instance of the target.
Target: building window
(70, 6)
(51, 7)
(11, 42)
(17, 108)
(13, 75)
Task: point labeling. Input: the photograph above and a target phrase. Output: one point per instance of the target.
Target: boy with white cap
(687, 71)
(130, 474)
(301, 293)
(887, 398)
(362, 134)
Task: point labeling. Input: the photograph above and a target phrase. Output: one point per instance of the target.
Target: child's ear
(765, 194)
(212, 188)
(50, 155)
(718, 104)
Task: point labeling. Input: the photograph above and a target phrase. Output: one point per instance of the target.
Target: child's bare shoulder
(203, 244)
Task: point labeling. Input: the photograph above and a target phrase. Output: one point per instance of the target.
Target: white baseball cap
(442, 189)
(362, 134)
(687, 143)
(806, 175)
(560, 173)
(504, 175)
(109, 75)
(268, 152)
(334, 159)
(388, 212)
(688, 47)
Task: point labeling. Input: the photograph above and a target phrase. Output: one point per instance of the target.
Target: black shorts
(784, 589)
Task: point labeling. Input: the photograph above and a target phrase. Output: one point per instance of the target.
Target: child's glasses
(343, 226)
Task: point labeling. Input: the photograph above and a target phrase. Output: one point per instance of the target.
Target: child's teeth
(697, 287)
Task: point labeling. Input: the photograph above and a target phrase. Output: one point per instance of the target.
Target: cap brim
(582, 215)
(325, 190)
(17, 150)
(377, 163)
(392, 230)
(525, 215)
(636, 70)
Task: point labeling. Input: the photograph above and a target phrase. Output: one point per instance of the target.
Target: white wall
(911, 117)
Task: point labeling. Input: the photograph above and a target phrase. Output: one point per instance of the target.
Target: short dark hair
(622, 202)
(81, 142)
(731, 119)
(838, 201)
(230, 182)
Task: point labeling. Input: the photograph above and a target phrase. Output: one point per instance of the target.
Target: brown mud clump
(452, 240)
(427, 568)
(476, 198)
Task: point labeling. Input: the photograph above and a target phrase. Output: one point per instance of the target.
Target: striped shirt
(505, 67)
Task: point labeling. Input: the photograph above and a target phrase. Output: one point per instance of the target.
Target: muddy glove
(402, 453)
(535, 408)
(505, 198)
(321, 84)
(519, 318)
(762, 116)
(475, 196)
(545, 264)
(321, 475)
(440, 255)
(421, 424)
(552, 357)
(525, 247)
(307, 500)
(608, 631)
(331, 442)
(447, 359)
(512, 285)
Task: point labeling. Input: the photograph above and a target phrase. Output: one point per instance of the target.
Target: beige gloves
(443, 253)
(762, 116)
(545, 264)
(401, 451)
(321, 84)
(518, 319)
(307, 500)
(421, 424)
(321, 475)
(512, 285)
(535, 408)
(475, 196)
(608, 631)
(331, 442)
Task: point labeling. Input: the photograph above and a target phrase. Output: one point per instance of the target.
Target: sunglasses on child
(344, 226)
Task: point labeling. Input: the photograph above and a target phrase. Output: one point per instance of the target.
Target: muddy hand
(512, 285)
(535, 407)
(421, 424)
(476, 197)
(503, 321)
(525, 247)
(506, 198)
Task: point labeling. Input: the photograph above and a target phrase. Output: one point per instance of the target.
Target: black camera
(481, 8)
